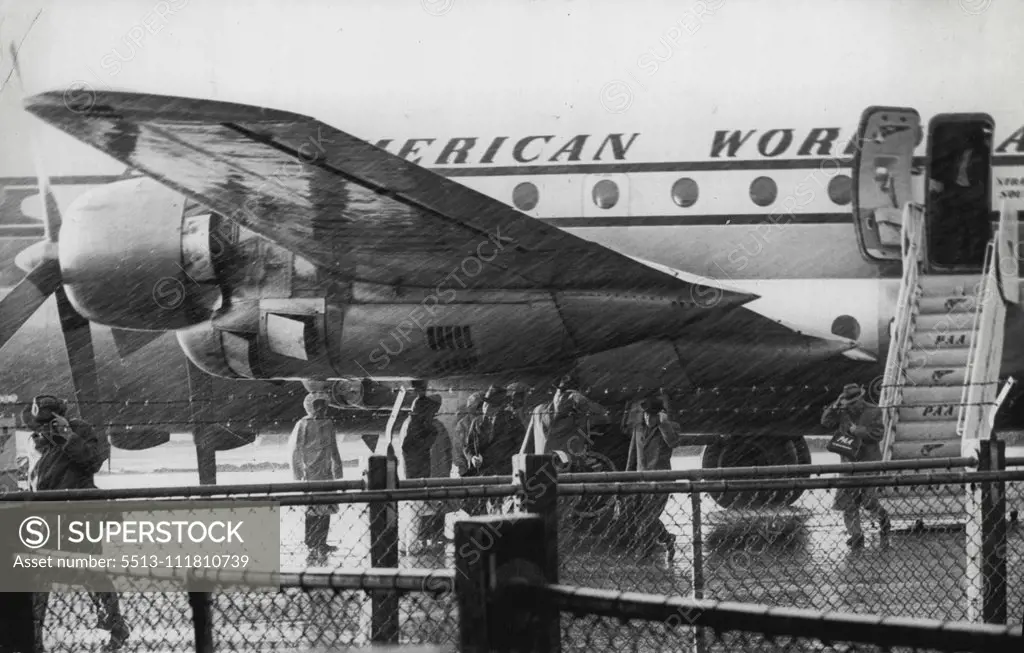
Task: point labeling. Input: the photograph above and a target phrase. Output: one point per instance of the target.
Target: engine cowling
(132, 256)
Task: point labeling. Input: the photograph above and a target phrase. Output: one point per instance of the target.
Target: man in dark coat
(654, 438)
(851, 414)
(494, 437)
(70, 455)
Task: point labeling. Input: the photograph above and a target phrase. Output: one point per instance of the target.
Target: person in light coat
(315, 457)
(425, 452)
(565, 423)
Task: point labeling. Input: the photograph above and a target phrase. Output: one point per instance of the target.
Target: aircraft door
(605, 195)
(882, 178)
(958, 204)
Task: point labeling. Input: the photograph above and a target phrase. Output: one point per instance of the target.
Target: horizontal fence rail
(765, 620)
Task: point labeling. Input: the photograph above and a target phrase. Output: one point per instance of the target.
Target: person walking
(859, 424)
(70, 455)
(654, 438)
(315, 457)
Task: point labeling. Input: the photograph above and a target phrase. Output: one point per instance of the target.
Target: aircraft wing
(350, 207)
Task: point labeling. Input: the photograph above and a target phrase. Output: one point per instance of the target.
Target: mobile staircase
(941, 387)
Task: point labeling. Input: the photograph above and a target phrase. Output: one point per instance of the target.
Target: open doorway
(959, 201)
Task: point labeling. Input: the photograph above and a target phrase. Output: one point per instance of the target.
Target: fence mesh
(793, 556)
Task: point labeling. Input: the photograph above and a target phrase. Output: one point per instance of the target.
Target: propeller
(43, 280)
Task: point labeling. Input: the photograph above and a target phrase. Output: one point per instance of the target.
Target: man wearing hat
(70, 455)
(425, 450)
(315, 457)
(564, 424)
(495, 436)
(851, 414)
(654, 438)
(472, 409)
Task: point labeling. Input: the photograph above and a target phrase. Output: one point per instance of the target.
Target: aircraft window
(763, 191)
(840, 189)
(846, 326)
(525, 196)
(606, 194)
(685, 192)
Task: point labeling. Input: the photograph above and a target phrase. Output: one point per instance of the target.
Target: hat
(851, 392)
(419, 384)
(427, 404)
(495, 394)
(652, 405)
(42, 410)
(517, 387)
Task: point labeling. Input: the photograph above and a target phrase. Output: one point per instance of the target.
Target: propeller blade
(51, 210)
(25, 298)
(82, 360)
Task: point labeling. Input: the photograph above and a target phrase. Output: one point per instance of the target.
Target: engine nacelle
(132, 257)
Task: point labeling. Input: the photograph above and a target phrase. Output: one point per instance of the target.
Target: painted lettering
(732, 140)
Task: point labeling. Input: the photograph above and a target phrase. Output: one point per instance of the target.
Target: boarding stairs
(941, 387)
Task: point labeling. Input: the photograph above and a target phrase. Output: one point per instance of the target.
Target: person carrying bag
(858, 435)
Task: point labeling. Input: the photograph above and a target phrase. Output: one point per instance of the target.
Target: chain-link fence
(791, 553)
(311, 611)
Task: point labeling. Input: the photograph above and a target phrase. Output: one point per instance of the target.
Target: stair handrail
(1008, 251)
(895, 369)
(985, 354)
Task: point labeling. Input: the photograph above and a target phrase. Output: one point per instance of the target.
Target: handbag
(845, 444)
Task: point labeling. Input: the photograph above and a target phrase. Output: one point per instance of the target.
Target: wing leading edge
(354, 209)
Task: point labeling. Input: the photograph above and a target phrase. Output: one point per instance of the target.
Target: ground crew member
(494, 438)
(315, 457)
(565, 422)
(654, 438)
(851, 414)
(70, 455)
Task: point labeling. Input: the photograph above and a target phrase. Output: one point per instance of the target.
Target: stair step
(925, 431)
(924, 412)
(940, 339)
(949, 285)
(932, 394)
(931, 449)
(943, 322)
(945, 357)
(936, 375)
(943, 305)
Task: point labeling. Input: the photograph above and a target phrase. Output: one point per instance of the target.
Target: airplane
(602, 205)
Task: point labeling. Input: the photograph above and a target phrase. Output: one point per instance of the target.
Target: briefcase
(845, 444)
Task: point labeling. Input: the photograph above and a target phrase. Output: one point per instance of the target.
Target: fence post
(382, 474)
(538, 478)
(202, 620)
(17, 620)
(986, 539)
(993, 546)
(697, 539)
(492, 554)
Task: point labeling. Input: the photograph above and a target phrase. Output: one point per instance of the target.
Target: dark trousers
(317, 527)
(650, 529)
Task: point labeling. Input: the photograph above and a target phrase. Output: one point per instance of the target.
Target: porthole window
(840, 189)
(525, 196)
(846, 326)
(685, 192)
(606, 194)
(763, 191)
